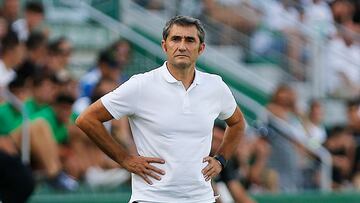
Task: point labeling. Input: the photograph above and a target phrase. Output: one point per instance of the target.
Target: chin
(182, 65)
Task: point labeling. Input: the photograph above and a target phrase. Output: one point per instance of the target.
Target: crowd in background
(34, 70)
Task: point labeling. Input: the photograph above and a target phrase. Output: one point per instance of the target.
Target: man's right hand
(141, 166)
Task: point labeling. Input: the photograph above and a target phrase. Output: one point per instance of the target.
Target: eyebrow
(186, 37)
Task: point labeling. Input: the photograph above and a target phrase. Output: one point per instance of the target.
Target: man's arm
(91, 122)
(233, 134)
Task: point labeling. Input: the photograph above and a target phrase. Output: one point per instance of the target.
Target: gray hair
(184, 21)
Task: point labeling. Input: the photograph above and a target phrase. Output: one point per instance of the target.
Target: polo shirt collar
(170, 79)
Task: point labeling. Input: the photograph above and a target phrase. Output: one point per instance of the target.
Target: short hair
(17, 82)
(36, 40)
(65, 98)
(108, 56)
(35, 7)
(9, 42)
(184, 21)
(354, 102)
(40, 77)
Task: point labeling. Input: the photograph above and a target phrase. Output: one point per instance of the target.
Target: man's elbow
(80, 121)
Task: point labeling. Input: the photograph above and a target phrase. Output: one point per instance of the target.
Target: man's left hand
(212, 169)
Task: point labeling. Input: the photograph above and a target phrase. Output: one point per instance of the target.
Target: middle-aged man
(171, 111)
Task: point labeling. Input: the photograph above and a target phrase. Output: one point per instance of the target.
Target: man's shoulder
(146, 76)
(209, 77)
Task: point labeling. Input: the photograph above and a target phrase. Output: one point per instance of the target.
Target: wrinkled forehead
(184, 31)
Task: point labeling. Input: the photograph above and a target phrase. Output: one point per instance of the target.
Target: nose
(182, 46)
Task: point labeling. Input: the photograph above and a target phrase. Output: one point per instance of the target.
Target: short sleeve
(228, 103)
(122, 101)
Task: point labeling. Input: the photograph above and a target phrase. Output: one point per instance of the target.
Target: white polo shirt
(174, 124)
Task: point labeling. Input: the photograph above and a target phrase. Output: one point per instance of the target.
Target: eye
(176, 38)
(190, 39)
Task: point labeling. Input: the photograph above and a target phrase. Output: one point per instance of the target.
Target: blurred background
(292, 65)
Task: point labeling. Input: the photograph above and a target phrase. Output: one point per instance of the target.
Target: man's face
(182, 46)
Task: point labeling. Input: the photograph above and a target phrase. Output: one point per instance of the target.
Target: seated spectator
(12, 55)
(17, 182)
(36, 57)
(46, 128)
(33, 21)
(229, 175)
(343, 62)
(285, 130)
(107, 66)
(341, 145)
(88, 161)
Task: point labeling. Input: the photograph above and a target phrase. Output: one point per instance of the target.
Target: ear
(201, 48)
(163, 45)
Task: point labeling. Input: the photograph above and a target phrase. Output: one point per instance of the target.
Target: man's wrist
(221, 160)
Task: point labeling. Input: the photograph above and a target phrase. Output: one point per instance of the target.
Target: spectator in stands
(17, 183)
(46, 127)
(59, 53)
(107, 67)
(13, 172)
(12, 54)
(36, 56)
(94, 164)
(319, 19)
(230, 175)
(33, 21)
(353, 124)
(122, 48)
(343, 11)
(233, 22)
(285, 130)
(10, 10)
(343, 62)
(314, 124)
(340, 144)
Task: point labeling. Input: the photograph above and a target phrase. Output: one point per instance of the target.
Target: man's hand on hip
(212, 169)
(141, 166)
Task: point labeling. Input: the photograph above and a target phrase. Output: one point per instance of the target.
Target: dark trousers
(16, 180)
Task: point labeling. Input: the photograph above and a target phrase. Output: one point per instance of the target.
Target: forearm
(231, 140)
(233, 133)
(96, 131)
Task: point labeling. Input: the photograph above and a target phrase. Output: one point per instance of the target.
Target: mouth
(182, 55)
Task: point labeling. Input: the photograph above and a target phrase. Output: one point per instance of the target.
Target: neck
(185, 75)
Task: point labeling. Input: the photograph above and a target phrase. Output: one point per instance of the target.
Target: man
(171, 112)
(12, 51)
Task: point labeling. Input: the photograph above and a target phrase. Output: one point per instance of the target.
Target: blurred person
(343, 62)
(59, 54)
(36, 56)
(45, 129)
(16, 180)
(88, 161)
(3, 28)
(173, 163)
(123, 52)
(10, 10)
(340, 144)
(12, 54)
(12, 171)
(314, 124)
(230, 173)
(285, 157)
(343, 11)
(353, 124)
(318, 18)
(33, 21)
(107, 66)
